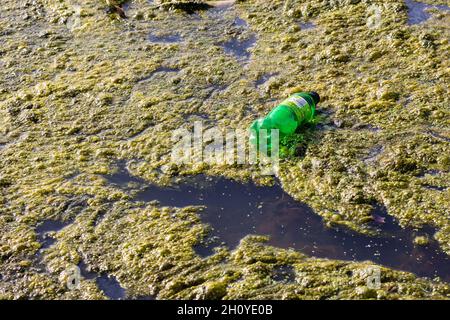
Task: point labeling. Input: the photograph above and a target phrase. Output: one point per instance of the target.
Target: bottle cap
(315, 96)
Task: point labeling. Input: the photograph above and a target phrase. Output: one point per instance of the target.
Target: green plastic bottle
(289, 115)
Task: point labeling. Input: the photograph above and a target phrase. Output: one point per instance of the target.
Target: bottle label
(297, 104)
(297, 100)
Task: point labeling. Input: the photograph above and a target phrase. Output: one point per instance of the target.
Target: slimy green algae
(75, 97)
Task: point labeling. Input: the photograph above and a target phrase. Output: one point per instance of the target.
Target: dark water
(284, 274)
(67, 214)
(242, 40)
(307, 25)
(48, 226)
(108, 284)
(240, 47)
(436, 188)
(234, 210)
(239, 22)
(223, 14)
(417, 13)
(264, 78)
(168, 38)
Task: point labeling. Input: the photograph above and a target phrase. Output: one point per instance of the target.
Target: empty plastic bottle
(289, 115)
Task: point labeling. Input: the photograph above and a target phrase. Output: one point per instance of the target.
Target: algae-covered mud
(88, 88)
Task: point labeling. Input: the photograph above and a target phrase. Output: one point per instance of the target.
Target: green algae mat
(86, 90)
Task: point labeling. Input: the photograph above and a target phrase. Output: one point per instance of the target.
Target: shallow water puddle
(264, 78)
(223, 27)
(436, 188)
(240, 47)
(307, 25)
(240, 22)
(164, 38)
(47, 227)
(284, 273)
(108, 284)
(234, 210)
(417, 11)
(242, 40)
